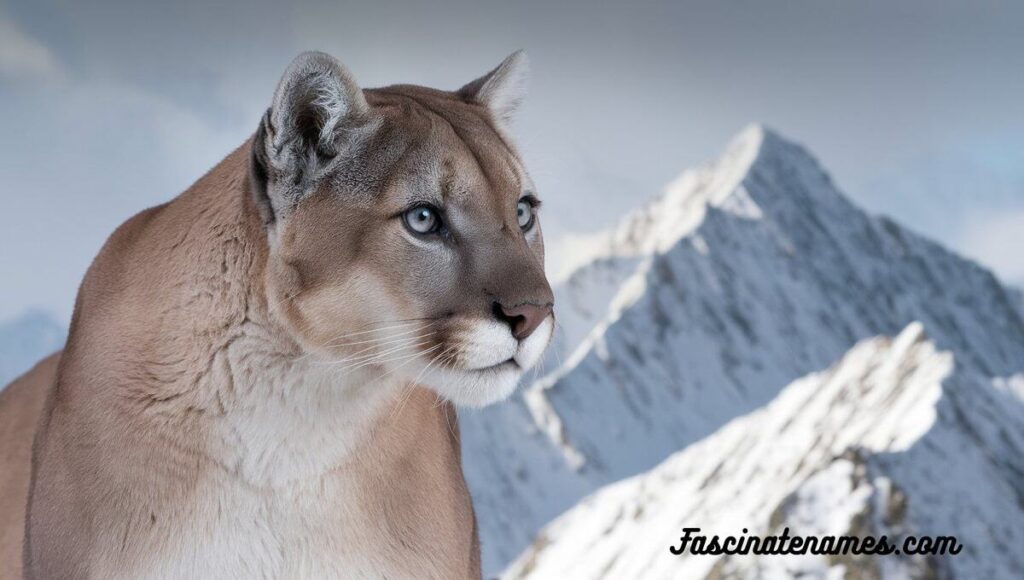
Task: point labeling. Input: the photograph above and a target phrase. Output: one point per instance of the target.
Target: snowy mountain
(695, 382)
(25, 340)
(698, 309)
(894, 439)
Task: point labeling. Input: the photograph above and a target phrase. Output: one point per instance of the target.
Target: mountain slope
(891, 440)
(742, 277)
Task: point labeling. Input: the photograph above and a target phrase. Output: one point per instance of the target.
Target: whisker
(446, 363)
(365, 352)
(450, 358)
(390, 336)
(375, 342)
(402, 344)
(359, 362)
(412, 384)
(448, 420)
(380, 343)
(405, 357)
(394, 324)
(439, 401)
(333, 343)
(407, 361)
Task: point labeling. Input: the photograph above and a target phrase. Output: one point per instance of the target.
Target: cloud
(996, 240)
(23, 57)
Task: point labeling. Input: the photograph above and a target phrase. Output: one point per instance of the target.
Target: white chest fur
(307, 531)
(277, 501)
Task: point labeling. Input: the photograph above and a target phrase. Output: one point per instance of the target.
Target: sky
(914, 107)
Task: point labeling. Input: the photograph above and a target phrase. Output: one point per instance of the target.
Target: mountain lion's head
(403, 228)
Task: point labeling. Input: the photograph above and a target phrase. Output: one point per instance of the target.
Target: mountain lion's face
(404, 229)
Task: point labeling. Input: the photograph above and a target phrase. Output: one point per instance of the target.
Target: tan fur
(199, 417)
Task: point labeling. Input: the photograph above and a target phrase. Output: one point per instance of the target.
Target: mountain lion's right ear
(315, 116)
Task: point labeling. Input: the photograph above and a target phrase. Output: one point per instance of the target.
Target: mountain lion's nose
(522, 319)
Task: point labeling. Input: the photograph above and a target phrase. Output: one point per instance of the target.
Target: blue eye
(524, 214)
(422, 220)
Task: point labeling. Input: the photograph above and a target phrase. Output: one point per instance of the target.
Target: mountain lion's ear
(502, 89)
(314, 117)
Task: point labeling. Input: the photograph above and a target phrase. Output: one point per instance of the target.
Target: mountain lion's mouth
(508, 364)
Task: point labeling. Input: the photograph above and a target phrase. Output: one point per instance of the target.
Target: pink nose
(522, 319)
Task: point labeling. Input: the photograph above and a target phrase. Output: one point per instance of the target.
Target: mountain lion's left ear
(502, 89)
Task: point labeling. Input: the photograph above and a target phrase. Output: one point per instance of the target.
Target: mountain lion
(260, 374)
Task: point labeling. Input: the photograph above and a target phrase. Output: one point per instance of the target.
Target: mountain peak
(759, 172)
(758, 148)
(757, 167)
(758, 138)
(749, 140)
(757, 144)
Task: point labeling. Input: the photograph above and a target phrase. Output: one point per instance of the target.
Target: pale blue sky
(110, 107)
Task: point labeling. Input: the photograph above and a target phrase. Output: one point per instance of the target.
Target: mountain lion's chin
(476, 388)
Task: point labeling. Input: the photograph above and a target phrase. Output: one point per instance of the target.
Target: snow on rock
(698, 309)
(894, 439)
